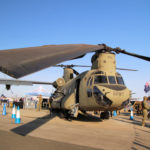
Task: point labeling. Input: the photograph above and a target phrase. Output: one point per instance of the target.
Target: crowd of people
(140, 107)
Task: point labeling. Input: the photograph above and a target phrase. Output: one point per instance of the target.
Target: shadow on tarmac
(137, 141)
(125, 113)
(141, 145)
(143, 131)
(87, 118)
(136, 122)
(29, 127)
(11, 141)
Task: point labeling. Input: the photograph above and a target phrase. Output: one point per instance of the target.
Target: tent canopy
(40, 91)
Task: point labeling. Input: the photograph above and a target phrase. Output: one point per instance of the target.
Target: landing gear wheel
(64, 114)
(104, 115)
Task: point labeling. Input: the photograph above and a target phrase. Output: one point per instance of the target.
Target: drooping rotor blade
(70, 66)
(81, 66)
(23, 61)
(126, 69)
(21, 82)
(118, 50)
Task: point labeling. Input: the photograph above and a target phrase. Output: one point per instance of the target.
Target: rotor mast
(104, 61)
(68, 74)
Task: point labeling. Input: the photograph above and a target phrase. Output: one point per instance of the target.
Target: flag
(147, 87)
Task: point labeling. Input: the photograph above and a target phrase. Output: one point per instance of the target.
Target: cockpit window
(111, 79)
(99, 72)
(120, 80)
(88, 81)
(100, 79)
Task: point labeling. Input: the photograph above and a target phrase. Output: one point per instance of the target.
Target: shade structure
(40, 91)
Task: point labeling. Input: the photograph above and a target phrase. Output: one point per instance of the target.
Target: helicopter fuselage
(93, 91)
(99, 89)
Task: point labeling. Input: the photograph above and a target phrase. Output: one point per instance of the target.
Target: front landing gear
(64, 114)
(104, 115)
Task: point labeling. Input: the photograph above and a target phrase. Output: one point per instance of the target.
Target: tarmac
(40, 130)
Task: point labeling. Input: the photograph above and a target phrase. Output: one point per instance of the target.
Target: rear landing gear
(104, 115)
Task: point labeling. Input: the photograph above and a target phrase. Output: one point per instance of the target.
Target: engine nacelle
(59, 83)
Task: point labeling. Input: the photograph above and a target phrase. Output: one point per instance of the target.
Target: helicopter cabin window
(120, 80)
(111, 79)
(100, 79)
(89, 92)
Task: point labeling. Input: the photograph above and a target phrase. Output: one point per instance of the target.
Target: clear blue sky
(125, 24)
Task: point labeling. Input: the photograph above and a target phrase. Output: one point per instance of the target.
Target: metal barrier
(29, 104)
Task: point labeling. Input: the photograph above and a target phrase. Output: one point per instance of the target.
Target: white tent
(40, 91)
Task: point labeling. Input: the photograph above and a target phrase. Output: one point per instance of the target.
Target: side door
(77, 90)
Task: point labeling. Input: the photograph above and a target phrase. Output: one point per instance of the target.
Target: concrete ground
(39, 130)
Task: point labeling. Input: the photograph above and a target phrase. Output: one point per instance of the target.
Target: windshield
(111, 79)
(100, 79)
(120, 80)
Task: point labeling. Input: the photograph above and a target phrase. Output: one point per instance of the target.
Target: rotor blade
(118, 50)
(75, 72)
(126, 69)
(62, 65)
(21, 82)
(23, 61)
(81, 66)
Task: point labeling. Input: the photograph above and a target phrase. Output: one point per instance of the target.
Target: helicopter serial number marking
(118, 93)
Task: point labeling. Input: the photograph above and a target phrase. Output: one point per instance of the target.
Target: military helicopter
(99, 89)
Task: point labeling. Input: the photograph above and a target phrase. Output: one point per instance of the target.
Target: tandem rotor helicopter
(99, 89)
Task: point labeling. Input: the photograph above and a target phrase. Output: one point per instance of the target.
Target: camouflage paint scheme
(84, 93)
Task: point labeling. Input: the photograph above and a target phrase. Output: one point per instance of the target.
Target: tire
(104, 115)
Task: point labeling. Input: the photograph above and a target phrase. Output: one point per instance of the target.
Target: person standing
(39, 103)
(145, 108)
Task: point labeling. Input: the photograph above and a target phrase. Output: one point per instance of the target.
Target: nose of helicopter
(114, 96)
(100, 97)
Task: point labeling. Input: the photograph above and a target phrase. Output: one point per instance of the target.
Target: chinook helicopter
(98, 89)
